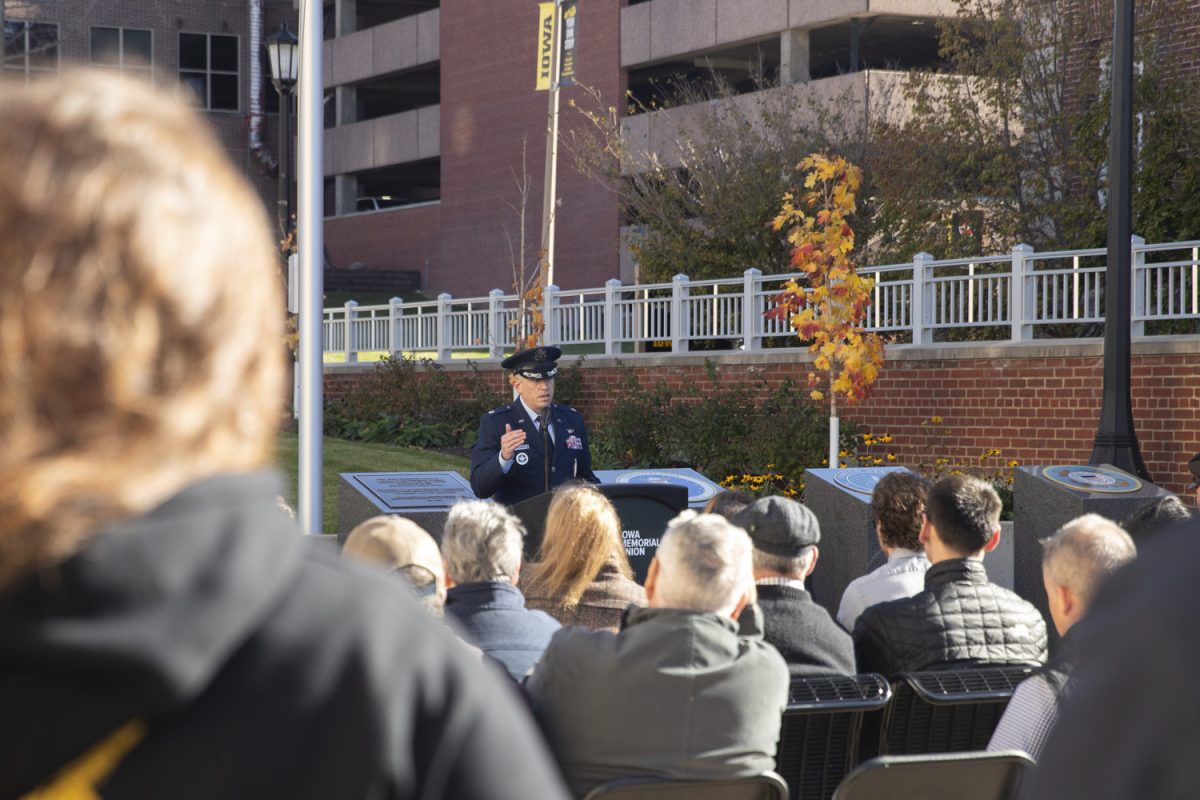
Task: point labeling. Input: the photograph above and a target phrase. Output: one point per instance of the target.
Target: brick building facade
(203, 44)
(433, 103)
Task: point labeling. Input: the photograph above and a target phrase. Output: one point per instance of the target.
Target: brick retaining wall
(1037, 402)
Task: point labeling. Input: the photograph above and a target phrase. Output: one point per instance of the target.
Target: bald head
(1076, 561)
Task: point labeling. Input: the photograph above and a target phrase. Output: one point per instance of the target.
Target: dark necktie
(544, 424)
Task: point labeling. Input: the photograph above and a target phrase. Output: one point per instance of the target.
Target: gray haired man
(681, 691)
(481, 544)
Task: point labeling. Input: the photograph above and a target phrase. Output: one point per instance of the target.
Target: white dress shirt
(902, 576)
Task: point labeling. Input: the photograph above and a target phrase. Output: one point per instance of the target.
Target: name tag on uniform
(524, 446)
(574, 443)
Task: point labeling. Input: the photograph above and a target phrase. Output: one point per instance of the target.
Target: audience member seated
(898, 504)
(1128, 730)
(400, 545)
(1076, 560)
(583, 577)
(1155, 516)
(784, 535)
(481, 544)
(681, 691)
(960, 618)
(165, 632)
(728, 502)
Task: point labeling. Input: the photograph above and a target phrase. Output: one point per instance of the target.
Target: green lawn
(343, 456)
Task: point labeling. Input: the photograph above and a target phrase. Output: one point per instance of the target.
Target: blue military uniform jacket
(570, 457)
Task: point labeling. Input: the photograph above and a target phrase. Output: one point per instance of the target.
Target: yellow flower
(877, 460)
(885, 439)
(936, 420)
(843, 453)
(1012, 462)
(891, 456)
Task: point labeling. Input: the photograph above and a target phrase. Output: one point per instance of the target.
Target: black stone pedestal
(1046, 498)
(423, 497)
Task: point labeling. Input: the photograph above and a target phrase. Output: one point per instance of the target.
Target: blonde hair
(583, 533)
(394, 542)
(141, 320)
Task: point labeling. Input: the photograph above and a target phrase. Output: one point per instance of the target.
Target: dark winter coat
(494, 618)
(804, 634)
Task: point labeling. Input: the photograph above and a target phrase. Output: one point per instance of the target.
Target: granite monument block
(1046, 498)
(423, 497)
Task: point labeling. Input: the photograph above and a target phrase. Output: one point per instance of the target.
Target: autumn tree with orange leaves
(828, 308)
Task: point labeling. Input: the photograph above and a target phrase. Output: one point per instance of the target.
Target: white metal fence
(1014, 297)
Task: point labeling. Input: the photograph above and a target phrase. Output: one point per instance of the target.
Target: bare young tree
(699, 176)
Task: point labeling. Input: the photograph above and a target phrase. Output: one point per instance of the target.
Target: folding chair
(767, 786)
(941, 776)
(818, 744)
(946, 711)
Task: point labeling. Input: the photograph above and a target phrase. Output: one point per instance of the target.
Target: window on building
(208, 66)
(30, 48)
(123, 50)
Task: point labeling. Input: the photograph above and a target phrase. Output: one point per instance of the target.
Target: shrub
(413, 402)
(714, 428)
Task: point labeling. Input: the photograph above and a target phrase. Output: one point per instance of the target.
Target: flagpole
(311, 251)
(550, 188)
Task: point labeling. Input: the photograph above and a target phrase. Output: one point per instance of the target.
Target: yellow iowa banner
(545, 51)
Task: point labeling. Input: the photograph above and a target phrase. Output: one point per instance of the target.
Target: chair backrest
(962, 776)
(767, 786)
(947, 711)
(818, 742)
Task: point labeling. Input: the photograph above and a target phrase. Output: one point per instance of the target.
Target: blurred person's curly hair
(141, 318)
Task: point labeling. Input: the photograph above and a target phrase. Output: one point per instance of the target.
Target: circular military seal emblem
(522, 458)
(1091, 479)
(862, 479)
(697, 492)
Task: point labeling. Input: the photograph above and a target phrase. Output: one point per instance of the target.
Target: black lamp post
(1116, 439)
(283, 53)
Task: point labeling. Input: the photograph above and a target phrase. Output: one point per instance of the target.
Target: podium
(644, 510)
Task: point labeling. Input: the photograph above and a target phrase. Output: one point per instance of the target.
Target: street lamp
(283, 54)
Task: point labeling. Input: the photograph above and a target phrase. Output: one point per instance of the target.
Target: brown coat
(599, 608)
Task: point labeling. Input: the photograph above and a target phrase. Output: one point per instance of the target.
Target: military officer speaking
(531, 445)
